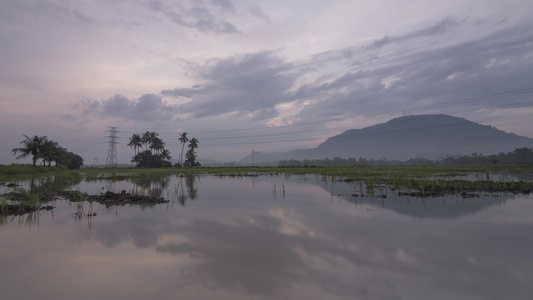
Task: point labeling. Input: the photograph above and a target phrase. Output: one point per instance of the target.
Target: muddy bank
(28, 203)
(112, 199)
(21, 209)
(437, 188)
(14, 196)
(461, 187)
(116, 178)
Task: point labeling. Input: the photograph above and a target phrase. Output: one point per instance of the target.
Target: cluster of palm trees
(149, 150)
(190, 156)
(40, 147)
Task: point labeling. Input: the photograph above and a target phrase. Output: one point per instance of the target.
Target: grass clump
(14, 169)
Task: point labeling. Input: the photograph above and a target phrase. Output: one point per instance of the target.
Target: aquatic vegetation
(145, 187)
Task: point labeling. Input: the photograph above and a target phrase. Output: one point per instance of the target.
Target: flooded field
(266, 236)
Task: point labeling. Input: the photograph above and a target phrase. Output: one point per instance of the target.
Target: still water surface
(271, 237)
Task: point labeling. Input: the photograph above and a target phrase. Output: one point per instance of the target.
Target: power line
(465, 100)
(347, 135)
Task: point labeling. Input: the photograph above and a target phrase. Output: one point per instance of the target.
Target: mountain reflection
(235, 241)
(281, 247)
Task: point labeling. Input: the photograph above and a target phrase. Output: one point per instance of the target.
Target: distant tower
(111, 160)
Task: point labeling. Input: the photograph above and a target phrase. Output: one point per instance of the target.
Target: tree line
(150, 151)
(48, 151)
(518, 156)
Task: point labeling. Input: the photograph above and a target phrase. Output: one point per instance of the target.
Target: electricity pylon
(111, 160)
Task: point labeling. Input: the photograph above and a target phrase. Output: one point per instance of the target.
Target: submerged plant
(3, 204)
(34, 201)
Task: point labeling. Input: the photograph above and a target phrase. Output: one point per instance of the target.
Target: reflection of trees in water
(48, 184)
(151, 185)
(110, 185)
(189, 181)
(29, 219)
(192, 192)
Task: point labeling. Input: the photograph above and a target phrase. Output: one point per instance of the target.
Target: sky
(255, 75)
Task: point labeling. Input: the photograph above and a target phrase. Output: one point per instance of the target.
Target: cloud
(425, 70)
(224, 4)
(442, 27)
(251, 83)
(257, 12)
(198, 15)
(277, 269)
(147, 108)
(68, 117)
(65, 14)
(451, 77)
(294, 248)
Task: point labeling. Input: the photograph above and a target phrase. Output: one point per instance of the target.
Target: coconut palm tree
(135, 142)
(146, 139)
(165, 154)
(31, 146)
(157, 145)
(63, 157)
(183, 140)
(190, 156)
(49, 152)
(193, 144)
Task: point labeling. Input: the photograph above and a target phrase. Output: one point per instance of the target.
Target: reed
(3, 204)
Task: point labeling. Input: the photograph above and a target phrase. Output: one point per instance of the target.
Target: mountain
(425, 136)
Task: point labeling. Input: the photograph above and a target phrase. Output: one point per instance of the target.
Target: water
(271, 237)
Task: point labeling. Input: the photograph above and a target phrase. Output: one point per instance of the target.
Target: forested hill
(428, 136)
(403, 138)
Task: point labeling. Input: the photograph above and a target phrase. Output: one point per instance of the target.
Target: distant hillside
(426, 136)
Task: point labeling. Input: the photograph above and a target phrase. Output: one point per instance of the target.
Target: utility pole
(111, 160)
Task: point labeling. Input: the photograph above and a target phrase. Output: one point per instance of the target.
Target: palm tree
(32, 146)
(157, 144)
(193, 143)
(135, 142)
(190, 156)
(183, 140)
(146, 139)
(63, 157)
(49, 151)
(165, 154)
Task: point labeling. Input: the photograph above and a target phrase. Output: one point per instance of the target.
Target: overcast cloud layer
(243, 75)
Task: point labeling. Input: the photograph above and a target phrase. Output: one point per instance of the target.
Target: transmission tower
(111, 160)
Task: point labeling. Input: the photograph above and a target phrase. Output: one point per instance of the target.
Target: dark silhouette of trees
(135, 142)
(40, 147)
(518, 156)
(191, 190)
(31, 146)
(50, 151)
(74, 161)
(522, 155)
(154, 154)
(183, 139)
(190, 156)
